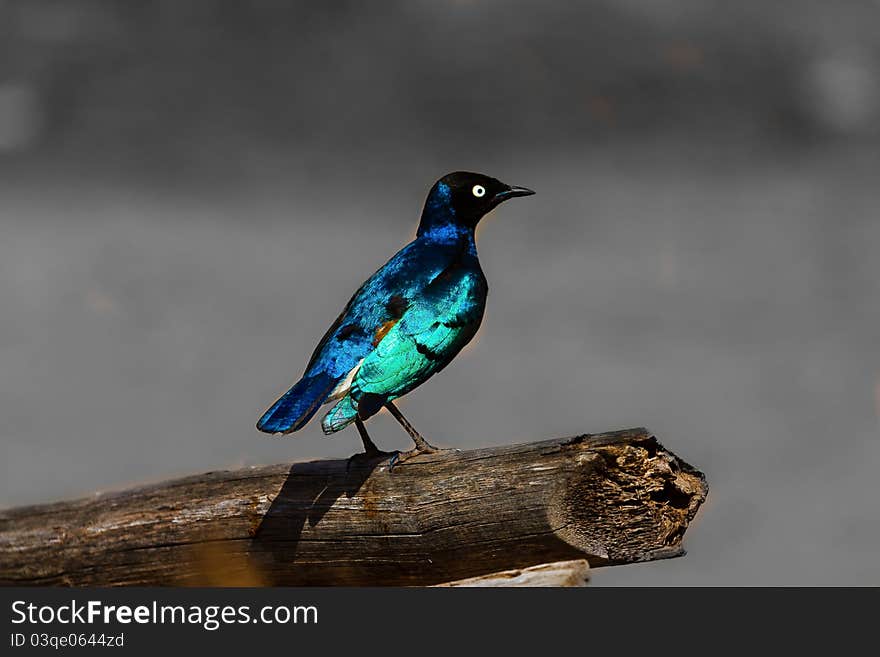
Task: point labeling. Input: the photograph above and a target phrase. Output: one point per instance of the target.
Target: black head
(463, 198)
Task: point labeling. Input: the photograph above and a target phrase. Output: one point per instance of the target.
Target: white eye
(479, 191)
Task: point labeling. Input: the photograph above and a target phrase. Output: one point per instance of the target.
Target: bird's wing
(366, 320)
(435, 327)
(379, 303)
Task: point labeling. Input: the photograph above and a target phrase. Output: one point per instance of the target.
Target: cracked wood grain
(608, 498)
(556, 574)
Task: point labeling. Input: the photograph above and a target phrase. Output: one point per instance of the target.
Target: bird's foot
(368, 456)
(401, 457)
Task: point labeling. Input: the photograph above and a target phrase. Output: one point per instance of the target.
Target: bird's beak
(512, 191)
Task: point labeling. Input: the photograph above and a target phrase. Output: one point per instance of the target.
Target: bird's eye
(479, 191)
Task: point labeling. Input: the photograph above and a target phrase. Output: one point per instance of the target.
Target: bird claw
(401, 457)
(367, 456)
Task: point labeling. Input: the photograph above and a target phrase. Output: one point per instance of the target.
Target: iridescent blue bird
(405, 323)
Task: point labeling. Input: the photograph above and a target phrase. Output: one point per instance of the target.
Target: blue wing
(436, 326)
(380, 302)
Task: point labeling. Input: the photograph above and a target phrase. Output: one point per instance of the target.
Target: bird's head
(463, 198)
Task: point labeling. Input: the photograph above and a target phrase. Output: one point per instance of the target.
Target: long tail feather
(298, 405)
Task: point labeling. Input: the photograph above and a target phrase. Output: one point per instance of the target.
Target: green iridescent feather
(431, 332)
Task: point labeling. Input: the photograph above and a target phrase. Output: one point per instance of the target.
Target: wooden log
(609, 498)
(559, 573)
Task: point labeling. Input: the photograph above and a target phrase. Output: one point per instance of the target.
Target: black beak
(512, 191)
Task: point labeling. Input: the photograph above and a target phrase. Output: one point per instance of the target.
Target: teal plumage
(406, 322)
(438, 323)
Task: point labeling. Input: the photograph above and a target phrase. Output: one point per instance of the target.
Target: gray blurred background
(190, 191)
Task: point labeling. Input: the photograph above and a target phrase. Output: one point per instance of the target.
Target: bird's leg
(370, 449)
(422, 445)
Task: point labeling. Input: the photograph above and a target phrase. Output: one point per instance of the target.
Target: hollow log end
(630, 492)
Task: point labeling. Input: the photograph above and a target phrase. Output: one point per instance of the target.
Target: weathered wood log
(558, 573)
(609, 498)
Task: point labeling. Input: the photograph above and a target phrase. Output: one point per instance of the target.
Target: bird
(406, 322)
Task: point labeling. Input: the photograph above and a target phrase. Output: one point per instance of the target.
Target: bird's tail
(298, 405)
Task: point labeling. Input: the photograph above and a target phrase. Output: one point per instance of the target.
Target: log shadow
(309, 491)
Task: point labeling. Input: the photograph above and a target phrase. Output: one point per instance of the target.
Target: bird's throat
(446, 233)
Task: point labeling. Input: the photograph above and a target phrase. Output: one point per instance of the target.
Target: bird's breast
(463, 296)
